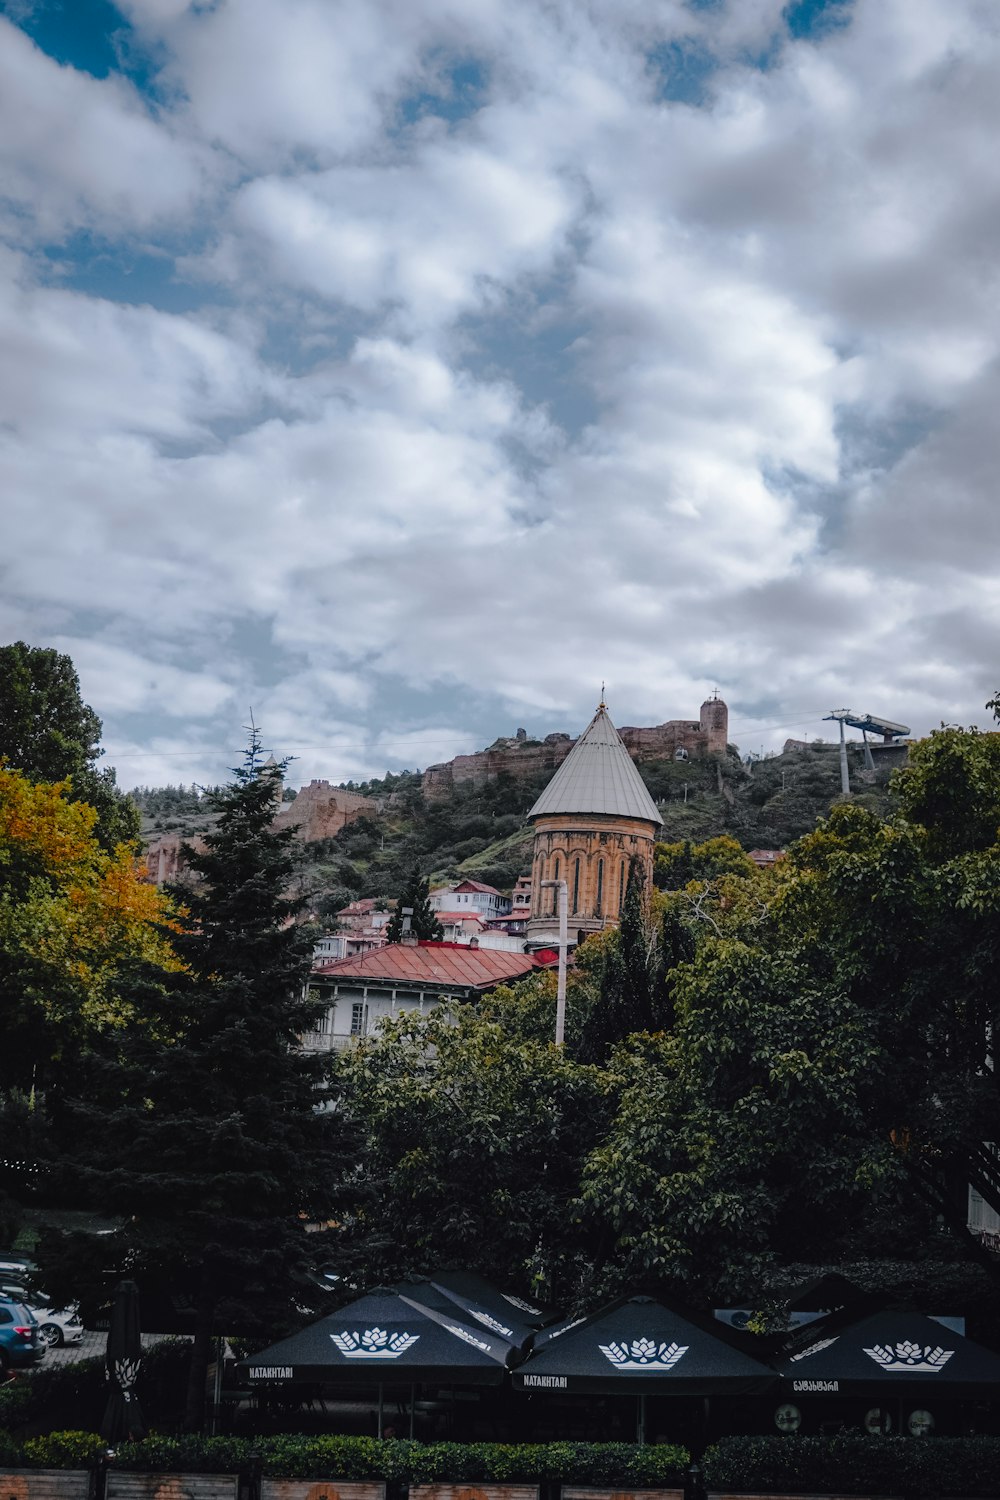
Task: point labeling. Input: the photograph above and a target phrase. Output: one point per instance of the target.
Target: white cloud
(80, 151)
(768, 325)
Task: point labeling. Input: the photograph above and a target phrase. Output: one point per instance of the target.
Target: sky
(395, 372)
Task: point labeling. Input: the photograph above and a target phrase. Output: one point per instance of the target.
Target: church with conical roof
(594, 817)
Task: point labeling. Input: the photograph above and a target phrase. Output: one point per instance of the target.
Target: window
(358, 1018)
(555, 893)
(621, 887)
(599, 903)
(576, 886)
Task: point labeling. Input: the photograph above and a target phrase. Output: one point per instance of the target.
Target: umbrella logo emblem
(125, 1372)
(469, 1338)
(814, 1349)
(908, 1356)
(374, 1343)
(643, 1354)
(519, 1302)
(488, 1322)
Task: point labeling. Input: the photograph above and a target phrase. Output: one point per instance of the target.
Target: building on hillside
(594, 817)
(520, 896)
(403, 977)
(520, 757)
(363, 925)
(460, 926)
(330, 946)
(320, 811)
(366, 912)
(765, 858)
(470, 895)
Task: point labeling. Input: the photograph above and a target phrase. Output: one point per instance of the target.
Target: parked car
(56, 1325)
(20, 1345)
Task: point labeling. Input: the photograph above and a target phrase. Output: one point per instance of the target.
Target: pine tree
(424, 923)
(636, 991)
(211, 1138)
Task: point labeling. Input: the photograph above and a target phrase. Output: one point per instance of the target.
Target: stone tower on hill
(594, 817)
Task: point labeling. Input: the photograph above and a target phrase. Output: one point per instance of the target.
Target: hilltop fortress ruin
(520, 756)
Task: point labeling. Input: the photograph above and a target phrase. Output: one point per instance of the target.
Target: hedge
(77, 1392)
(856, 1464)
(290, 1456)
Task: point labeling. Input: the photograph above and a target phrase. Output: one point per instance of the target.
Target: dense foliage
(761, 1069)
(855, 1463)
(200, 1125)
(49, 733)
(473, 1142)
(71, 915)
(291, 1456)
(766, 1067)
(55, 1396)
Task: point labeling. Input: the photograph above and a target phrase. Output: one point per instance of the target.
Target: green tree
(424, 923)
(635, 973)
(72, 918)
(203, 1125)
(740, 1136)
(474, 1136)
(49, 733)
(903, 917)
(677, 864)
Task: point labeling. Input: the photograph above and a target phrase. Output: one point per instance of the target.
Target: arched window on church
(621, 888)
(555, 889)
(599, 903)
(576, 885)
(537, 900)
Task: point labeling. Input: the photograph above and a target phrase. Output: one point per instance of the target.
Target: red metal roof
(476, 885)
(449, 965)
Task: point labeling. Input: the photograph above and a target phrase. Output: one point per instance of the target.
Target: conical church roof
(598, 776)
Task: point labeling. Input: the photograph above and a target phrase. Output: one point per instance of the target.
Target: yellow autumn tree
(73, 921)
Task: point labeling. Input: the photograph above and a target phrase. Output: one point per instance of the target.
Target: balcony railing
(327, 1041)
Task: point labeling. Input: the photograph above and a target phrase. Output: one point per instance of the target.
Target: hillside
(482, 831)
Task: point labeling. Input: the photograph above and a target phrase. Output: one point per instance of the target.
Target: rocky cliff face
(318, 812)
(520, 757)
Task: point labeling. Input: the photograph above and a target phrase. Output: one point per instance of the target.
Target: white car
(55, 1325)
(58, 1326)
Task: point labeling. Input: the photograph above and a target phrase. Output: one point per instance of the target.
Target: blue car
(20, 1346)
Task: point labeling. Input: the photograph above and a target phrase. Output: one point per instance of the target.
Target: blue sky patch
(120, 272)
(460, 91)
(812, 18)
(682, 70)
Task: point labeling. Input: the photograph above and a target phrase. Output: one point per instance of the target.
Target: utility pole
(563, 889)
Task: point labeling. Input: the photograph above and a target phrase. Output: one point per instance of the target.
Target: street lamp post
(563, 889)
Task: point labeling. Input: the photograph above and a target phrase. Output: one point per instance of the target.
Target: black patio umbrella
(512, 1318)
(641, 1344)
(387, 1338)
(644, 1347)
(890, 1352)
(123, 1417)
